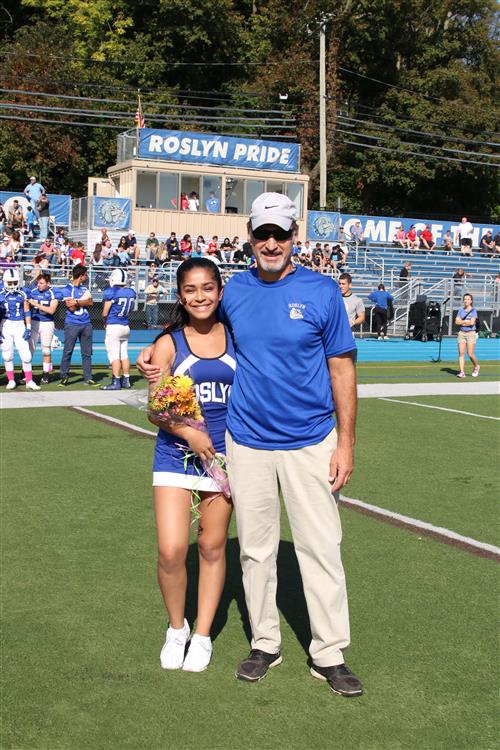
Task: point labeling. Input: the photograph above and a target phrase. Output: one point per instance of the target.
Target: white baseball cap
(273, 208)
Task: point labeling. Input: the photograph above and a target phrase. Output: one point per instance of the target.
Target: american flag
(139, 117)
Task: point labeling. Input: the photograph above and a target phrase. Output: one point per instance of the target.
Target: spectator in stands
(343, 237)
(61, 236)
(400, 238)
(448, 241)
(354, 305)
(193, 202)
(405, 275)
(186, 247)
(50, 251)
(161, 255)
(318, 261)
(77, 325)
(133, 248)
(426, 239)
(122, 251)
(487, 245)
(3, 219)
(412, 238)
(43, 207)
(184, 202)
(465, 233)
(109, 254)
(236, 243)
(151, 246)
(213, 249)
(459, 277)
(104, 237)
(5, 248)
(467, 336)
(337, 258)
(78, 255)
(173, 247)
(496, 242)
(381, 298)
(239, 257)
(33, 192)
(15, 216)
(152, 272)
(96, 257)
(16, 245)
(226, 250)
(29, 221)
(151, 306)
(357, 233)
(200, 247)
(213, 204)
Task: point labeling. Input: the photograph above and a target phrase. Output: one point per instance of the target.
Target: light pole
(322, 114)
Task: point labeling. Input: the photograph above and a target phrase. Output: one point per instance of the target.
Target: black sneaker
(340, 679)
(256, 665)
(44, 380)
(64, 381)
(89, 382)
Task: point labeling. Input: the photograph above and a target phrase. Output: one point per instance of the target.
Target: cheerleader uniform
(213, 379)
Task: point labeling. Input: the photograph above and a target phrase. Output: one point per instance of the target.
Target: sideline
(439, 533)
(440, 408)
(22, 399)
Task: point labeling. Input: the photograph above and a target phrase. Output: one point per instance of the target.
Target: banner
(111, 213)
(59, 205)
(220, 150)
(323, 226)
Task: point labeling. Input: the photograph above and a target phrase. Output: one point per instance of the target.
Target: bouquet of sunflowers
(173, 401)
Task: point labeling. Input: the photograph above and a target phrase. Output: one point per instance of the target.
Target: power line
(145, 104)
(395, 152)
(446, 137)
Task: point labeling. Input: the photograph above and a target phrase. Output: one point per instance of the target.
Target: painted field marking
(439, 408)
(439, 533)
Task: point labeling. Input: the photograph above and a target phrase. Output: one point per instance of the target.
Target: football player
(44, 300)
(118, 302)
(16, 329)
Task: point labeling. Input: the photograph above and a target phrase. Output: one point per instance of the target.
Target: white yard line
(440, 408)
(414, 524)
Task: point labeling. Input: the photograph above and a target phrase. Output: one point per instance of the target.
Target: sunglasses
(280, 235)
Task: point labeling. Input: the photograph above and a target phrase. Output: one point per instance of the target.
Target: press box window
(235, 199)
(254, 189)
(169, 191)
(190, 183)
(295, 192)
(211, 194)
(146, 190)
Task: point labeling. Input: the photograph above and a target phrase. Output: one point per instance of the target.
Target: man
(151, 305)
(487, 246)
(354, 305)
(43, 300)
(213, 204)
(43, 208)
(289, 326)
(133, 249)
(426, 239)
(405, 275)
(174, 251)
(33, 192)
(152, 245)
(357, 233)
(49, 250)
(465, 233)
(496, 242)
(77, 325)
(15, 216)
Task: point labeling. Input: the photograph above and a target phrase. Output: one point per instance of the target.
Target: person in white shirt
(193, 202)
(464, 233)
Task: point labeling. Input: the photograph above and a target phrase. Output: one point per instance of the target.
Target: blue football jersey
(44, 298)
(122, 300)
(13, 304)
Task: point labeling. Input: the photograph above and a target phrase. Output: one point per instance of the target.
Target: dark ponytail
(180, 317)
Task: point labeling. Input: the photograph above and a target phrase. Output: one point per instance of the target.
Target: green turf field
(83, 622)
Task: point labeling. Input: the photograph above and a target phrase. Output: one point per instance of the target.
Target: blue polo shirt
(284, 332)
(79, 317)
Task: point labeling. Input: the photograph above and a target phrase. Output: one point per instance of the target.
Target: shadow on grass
(290, 596)
(450, 370)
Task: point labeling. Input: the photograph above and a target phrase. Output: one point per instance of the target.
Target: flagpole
(137, 123)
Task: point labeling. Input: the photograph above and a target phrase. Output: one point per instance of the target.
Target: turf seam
(438, 533)
(439, 408)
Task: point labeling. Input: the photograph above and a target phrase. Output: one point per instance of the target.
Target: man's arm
(343, 381)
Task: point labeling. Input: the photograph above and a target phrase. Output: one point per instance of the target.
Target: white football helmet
(11, 279)
(118, 277)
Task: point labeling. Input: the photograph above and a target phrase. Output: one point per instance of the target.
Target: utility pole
(322, 114)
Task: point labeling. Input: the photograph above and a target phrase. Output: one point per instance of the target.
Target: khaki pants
(256, 478)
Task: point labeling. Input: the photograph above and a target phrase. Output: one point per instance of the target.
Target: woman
(226, 250)
(195, 343)
(467, 336)
(381, 298)
(186, 247)
(184, 202)
(400, 238)
(122, 251)
(193, 202)
(161, 254)
(16, 245)
(200, 247)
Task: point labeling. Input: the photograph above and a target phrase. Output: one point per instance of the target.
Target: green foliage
(439, 58)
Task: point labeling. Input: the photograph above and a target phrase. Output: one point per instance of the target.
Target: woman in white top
(193, 202)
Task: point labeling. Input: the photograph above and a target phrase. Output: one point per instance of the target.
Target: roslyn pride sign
(218, 150)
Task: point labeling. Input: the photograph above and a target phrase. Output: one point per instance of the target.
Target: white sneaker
(10, 385)
(199, 654)
(475, 371)
(172, 653)
(32, 386)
